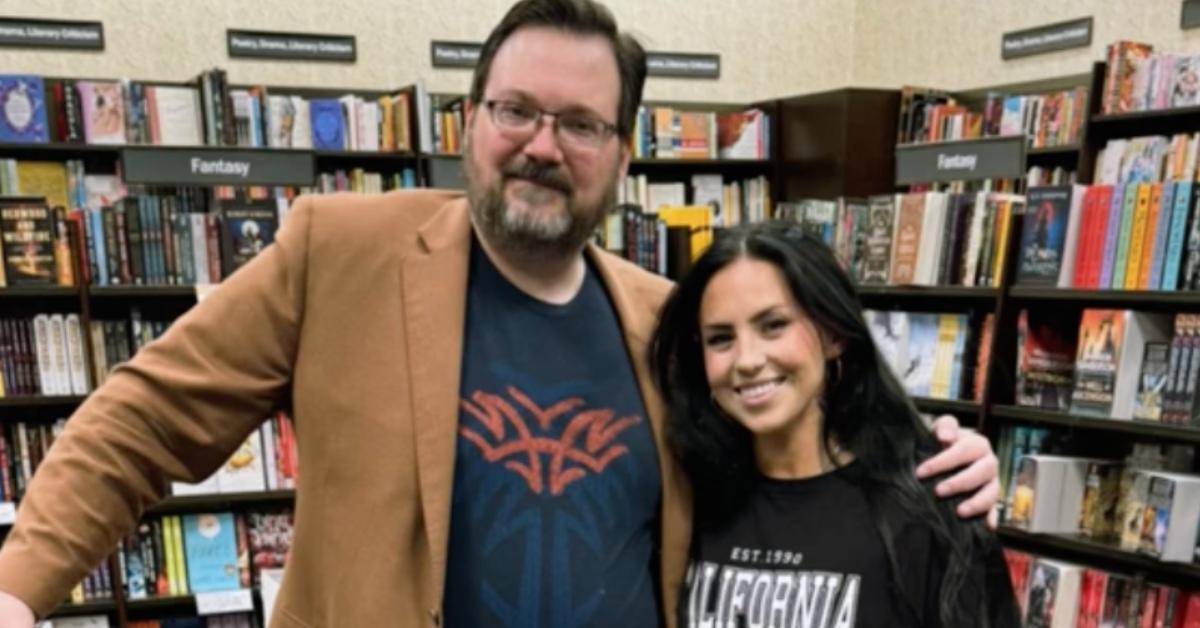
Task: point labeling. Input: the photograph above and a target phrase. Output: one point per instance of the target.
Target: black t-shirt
(808, 554)
(556, 480)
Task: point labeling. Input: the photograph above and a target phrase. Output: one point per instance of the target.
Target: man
(475, 420)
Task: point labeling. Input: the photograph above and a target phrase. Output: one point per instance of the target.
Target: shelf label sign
(215, 166)
(1000, 157)
(63, 34)
(454, 54)
(683, 65)
(1049, 38)
(291, 46)
(220, 602)
(1190, 16)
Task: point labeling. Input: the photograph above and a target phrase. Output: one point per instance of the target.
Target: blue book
(922, 350)
(1159, 253)
(210, 547)
(1183, 198)
(409, 178)
(1110, 235)
(96, 220)
(328, 125)
(23, 109)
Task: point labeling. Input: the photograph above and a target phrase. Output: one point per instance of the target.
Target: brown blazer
(355, 313)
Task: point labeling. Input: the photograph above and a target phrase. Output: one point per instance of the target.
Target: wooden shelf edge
(1101, 555)
(1138, 428)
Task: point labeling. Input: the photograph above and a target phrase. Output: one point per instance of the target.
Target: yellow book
(1149, 235)
(47, 179)
(1133, 263)
(1000, 252)
(943, 356)
(387, 138)
(697, 218)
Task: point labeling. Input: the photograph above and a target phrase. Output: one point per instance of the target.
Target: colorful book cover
(1158, 246)
(248, 228)
(1112, 228)
(103, 111)
(921, 353)
(1043, 235)
(23, 109)
(328, 124)
(27, 236)
(1045, 359)
(1101, 334)
(210, 543)
(909, 219)
(270, 540)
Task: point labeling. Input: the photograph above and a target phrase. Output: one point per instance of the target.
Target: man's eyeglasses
(573, 129)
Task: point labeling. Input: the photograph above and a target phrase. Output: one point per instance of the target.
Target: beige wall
(955, 44)
(175, 39)
(768, 48)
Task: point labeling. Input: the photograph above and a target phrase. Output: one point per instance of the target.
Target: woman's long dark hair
(866, 410)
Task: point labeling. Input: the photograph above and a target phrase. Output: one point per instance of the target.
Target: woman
(801, 446)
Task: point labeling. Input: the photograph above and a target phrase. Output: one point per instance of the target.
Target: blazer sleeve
(176, 411)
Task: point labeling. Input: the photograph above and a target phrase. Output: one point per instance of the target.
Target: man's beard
(527, 232)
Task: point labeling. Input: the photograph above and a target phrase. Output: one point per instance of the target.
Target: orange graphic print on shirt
(520, 432)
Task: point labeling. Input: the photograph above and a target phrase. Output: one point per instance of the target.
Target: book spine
(1121, 261)
(1158, 248)
(1112, 229)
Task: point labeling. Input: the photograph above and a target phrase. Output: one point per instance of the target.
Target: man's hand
(971, 455)
(14, 613)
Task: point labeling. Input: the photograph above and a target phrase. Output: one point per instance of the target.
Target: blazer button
(435, 617)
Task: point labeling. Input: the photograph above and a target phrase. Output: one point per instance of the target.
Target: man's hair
(581, 17)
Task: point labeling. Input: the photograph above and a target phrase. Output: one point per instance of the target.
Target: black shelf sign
(38, 33)
(291, 46)
(961, 161)
(683, 65)
(1048, 38)
(454, 54)
(1190, 16)
(217, 166)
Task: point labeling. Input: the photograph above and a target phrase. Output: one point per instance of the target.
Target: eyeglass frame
(608, 129)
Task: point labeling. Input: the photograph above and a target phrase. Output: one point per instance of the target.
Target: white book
(243, 472)
(1171, 516)
(281, 119)
(270, 464)
(974, 239)
(41, 341)
(350, 104)
(709, 189)
(76, 360)
(207, 486)
(178, 111)
(665, 195)
(271, 581)
(302, 129)
(1048, 493)
(60, 364)
(200, 248)
(1140, 328)
(1053, 597)
(88, 621)
(929, 248)
(1066, 270)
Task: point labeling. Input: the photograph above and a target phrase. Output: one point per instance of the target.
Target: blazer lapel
(638, 319)
(435, 294)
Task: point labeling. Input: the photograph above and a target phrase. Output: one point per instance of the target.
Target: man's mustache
(541, 174)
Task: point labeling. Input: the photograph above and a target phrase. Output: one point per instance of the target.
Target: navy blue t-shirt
(556, 480)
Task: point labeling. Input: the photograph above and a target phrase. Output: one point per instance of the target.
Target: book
(247, 228)
(1045, 359)
(1053, 598)
(1049, 493)
(327, 124)
(1148, 405)
(103, 104)
(1098, 511)
(1044, 235)
(1171, 516)
(23, 109)
(210, 545)
(878, 248)
(27, 241)
(1109, 358)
